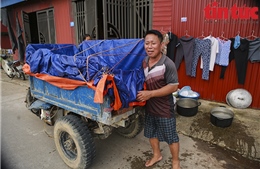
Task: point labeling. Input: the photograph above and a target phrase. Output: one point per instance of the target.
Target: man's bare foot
(152, 161)
(176, 165)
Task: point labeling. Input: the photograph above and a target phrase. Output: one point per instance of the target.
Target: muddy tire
(133, 127)
(74, 142)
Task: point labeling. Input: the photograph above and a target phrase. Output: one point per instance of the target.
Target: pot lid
(239, 98)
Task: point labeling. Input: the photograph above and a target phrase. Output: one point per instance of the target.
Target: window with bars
(122, 19)
(45, 18)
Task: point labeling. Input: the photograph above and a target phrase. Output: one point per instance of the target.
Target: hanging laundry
(202, 48)
(214, 50)
(241, 59)
(222, 58)
(171, 47)
(165, 42)
(185, 48)
(237, 42)
(254, 50)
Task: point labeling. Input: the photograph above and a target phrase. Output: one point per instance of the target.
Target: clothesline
(249, 37)
(219, 50)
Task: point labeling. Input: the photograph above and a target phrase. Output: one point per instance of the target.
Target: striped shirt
(161, 74)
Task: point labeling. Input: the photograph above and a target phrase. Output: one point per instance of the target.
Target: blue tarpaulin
(122, 58)
(5, 3)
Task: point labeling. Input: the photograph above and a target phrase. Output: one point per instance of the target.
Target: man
(161, 81)
(86, 37)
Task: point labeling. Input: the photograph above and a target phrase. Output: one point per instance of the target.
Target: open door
(39, 26)
(30, 27)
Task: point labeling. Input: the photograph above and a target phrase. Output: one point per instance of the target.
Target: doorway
(39, 26)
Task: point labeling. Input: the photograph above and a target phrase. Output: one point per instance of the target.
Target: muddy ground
(238, 144)
(242, 136)
(228, 159)
(233, 159)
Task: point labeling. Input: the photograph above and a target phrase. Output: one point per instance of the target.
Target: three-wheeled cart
(77, 119)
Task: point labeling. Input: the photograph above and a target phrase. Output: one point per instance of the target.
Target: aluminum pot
(187, 107)
(221, 117)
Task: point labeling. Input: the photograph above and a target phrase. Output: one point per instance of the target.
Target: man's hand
(164, 91)
(144, 95)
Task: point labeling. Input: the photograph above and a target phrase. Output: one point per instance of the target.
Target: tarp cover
(121, 58)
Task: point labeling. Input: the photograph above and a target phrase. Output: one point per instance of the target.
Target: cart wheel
(133, 127)
(74, 142)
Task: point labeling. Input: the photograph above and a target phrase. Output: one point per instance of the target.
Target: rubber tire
(78, 131)
(133, 127)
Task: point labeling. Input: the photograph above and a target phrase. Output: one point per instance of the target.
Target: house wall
(62, 16)
(5, 42)
(167, 17)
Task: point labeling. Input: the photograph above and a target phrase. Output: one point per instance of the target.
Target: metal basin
(187, 107)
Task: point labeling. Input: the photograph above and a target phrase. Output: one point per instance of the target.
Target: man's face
(152, 45)
(88, 38)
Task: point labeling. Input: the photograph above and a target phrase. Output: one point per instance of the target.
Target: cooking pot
(221, 117)
(187, 107)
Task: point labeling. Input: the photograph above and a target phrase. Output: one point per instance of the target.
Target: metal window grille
(121, 18)
(45, 19)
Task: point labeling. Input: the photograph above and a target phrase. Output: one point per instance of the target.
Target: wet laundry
(240, 55)
(185, 49)
(214, 50)
(254, 50)
(202, 48)
(171, 47)
(222, 58)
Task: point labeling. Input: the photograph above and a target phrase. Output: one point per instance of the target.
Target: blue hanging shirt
(237, 42)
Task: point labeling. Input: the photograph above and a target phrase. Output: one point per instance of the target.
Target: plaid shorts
(162, 128)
